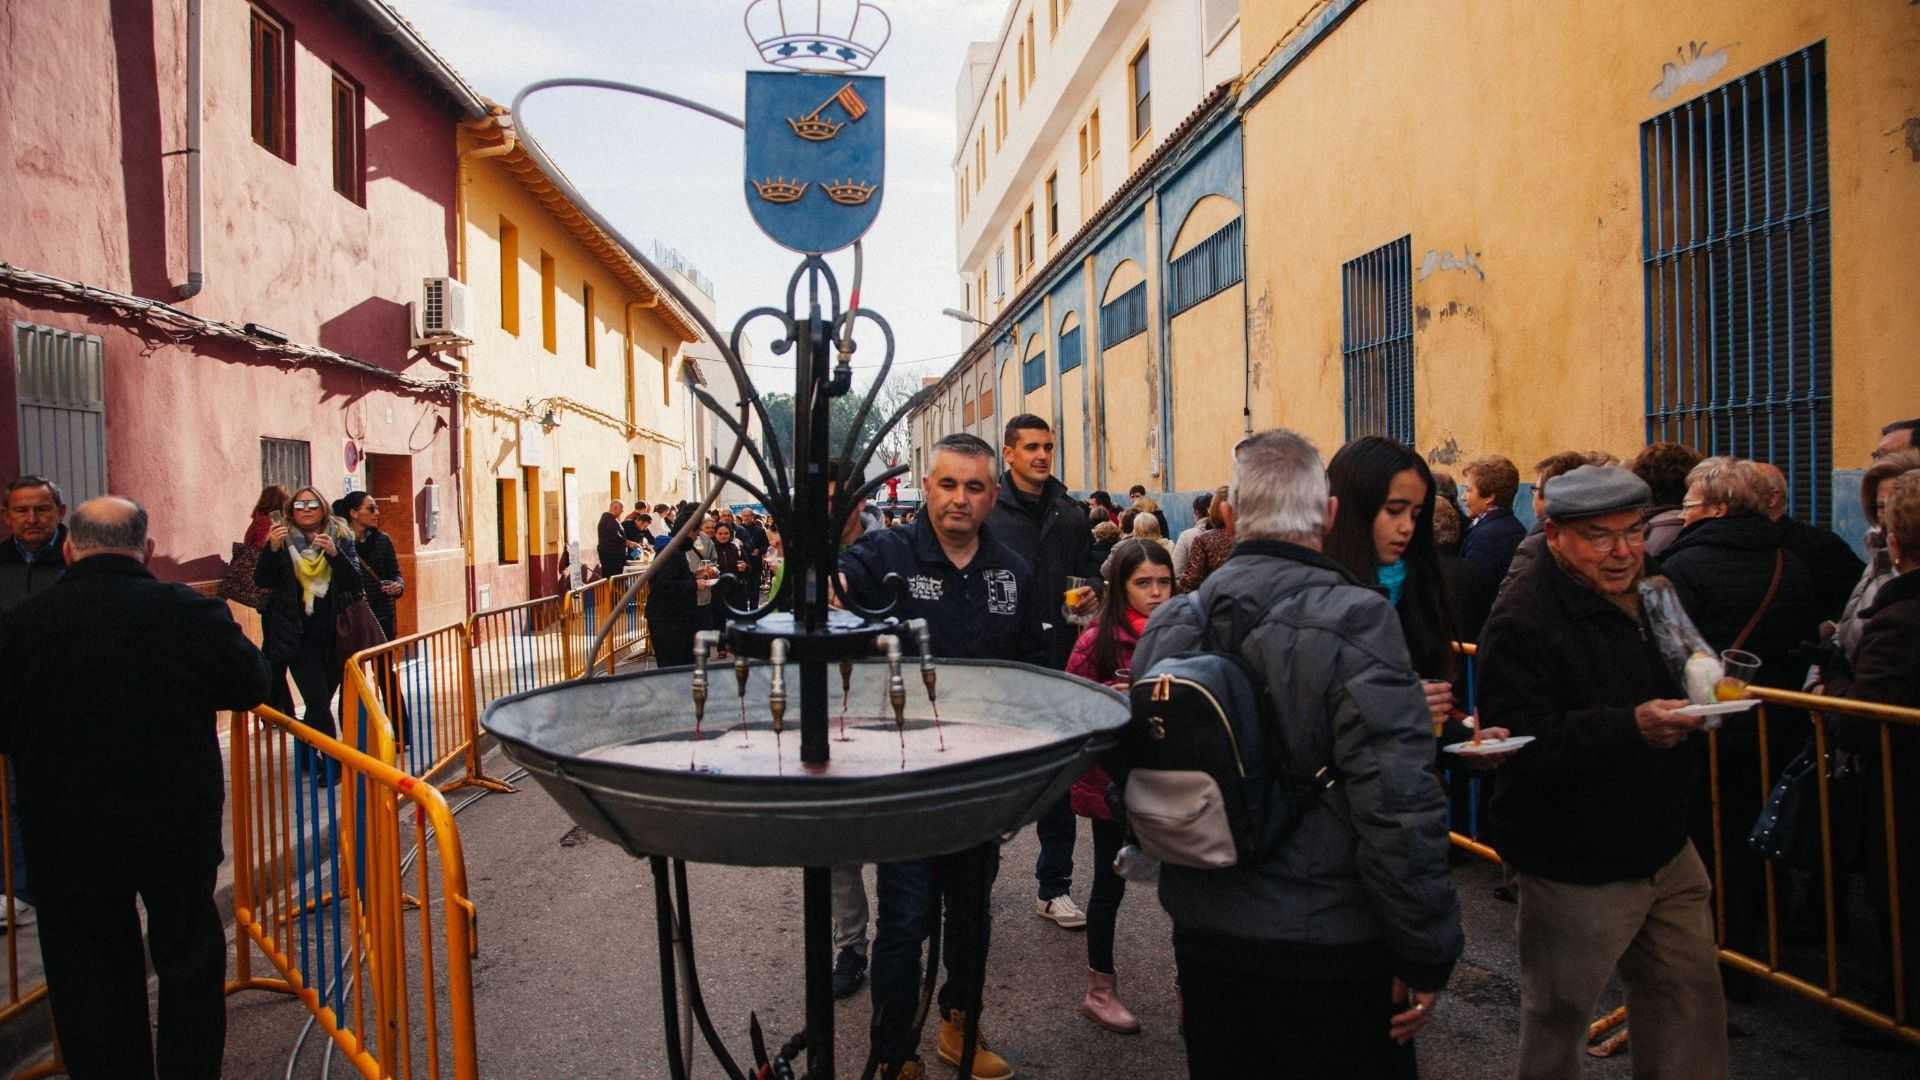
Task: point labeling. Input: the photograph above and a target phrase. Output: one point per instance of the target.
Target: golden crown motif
(781, 190)
(814, 129)
(849, 192)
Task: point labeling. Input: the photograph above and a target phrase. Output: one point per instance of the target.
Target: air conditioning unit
(444, 309)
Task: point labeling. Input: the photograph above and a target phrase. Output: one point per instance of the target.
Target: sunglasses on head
(307, 504)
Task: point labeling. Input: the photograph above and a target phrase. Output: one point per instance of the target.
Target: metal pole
(817, 903)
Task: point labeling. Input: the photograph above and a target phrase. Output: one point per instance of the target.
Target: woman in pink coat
(1139, 579)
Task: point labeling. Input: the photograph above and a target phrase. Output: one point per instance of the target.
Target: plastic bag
(1689, 658)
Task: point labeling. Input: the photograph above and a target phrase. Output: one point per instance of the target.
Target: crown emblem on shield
(818, 35)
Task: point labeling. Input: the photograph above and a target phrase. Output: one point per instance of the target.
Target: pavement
(566, 978)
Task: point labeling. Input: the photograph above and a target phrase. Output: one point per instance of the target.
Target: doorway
(390, 482)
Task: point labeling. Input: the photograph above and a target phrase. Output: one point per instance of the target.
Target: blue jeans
(907, 893)
(1053, 870)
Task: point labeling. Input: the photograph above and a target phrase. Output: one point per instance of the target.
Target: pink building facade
(329, 191)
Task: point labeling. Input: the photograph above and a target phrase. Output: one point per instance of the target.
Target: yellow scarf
(314, 573)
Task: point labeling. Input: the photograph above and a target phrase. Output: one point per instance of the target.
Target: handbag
(1788, 828)
(237, 583)
(355, 628)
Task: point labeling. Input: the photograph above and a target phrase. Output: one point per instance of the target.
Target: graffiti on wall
(1435, 261)
(1695, 65)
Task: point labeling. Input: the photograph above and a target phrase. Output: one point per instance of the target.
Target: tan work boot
(1103, 1007)
(907, 1070)
(987, 1065)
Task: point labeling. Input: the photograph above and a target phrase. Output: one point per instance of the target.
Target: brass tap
(703, 644)
(777, 688)
(846, 680)
(924, 638)
(896, 686)
(740, 672)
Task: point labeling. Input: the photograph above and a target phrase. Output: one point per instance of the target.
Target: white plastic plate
(1489, 746)
(1718, 708)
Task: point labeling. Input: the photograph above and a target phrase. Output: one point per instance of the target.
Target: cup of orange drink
(1739, 668)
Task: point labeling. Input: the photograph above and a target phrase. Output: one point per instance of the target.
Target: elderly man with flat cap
(1593, 814)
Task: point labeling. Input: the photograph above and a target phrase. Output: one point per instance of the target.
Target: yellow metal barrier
(22, 994)
(425, 686)
(1826, 991)
(318, 835)
(587, 608)
(521, 647)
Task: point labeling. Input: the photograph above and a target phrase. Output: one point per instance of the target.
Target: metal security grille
(1376, 303)
(1739, 343)
(1210, 266)
(1125, 317)
(288, 462)
(1033, 372)
(61, 378)
(1069, 350)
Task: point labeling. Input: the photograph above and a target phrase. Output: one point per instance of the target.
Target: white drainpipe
(196, 104)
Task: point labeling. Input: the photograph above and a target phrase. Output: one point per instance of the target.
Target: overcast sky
(660, 172)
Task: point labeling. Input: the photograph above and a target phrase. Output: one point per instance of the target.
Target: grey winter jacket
(1368, 863)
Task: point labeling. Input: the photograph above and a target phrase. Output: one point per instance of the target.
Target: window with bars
(60, 380)
(1124, 317)
(272, 90)
(1376, 341)
(1033, 372)
(1070, 350)
(1738, 292)
(1208, 267)
(349, 149)
(287, 462)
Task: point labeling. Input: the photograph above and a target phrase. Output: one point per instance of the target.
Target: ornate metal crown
(818, 35)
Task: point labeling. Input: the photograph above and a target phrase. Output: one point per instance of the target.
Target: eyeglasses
(307, 504)
(1609, 539)
(1692, 505)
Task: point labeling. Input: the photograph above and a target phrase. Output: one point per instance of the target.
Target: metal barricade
(517, 648)
(23, 994)
(1826, 990)
(425, 686)
(319, 837)
(587, 607)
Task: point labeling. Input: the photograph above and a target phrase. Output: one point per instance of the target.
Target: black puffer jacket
(1831, 560)
(1589, 801)
(1052, 535)
(382, 565)
(1367, 864)
(1722, 567)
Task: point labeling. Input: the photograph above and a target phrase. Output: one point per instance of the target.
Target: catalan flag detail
(815, 156)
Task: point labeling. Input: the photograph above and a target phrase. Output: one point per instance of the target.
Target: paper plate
(1718, 708)
(1489, 746)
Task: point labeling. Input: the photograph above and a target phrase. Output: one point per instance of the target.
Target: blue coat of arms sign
(816, 156)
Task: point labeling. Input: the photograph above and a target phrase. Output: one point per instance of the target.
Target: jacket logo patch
(921, 587)
(1003, 592)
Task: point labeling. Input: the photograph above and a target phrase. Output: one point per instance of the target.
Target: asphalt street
(566, 981)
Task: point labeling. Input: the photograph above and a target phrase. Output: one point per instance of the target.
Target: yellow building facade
(1550, 226)
(575, 395)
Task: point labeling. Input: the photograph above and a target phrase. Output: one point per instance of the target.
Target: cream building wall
(573, 406)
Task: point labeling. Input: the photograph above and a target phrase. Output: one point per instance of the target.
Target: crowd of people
(1345, 585)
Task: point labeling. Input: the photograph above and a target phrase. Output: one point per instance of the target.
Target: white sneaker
(23, 916)
(1062, 910)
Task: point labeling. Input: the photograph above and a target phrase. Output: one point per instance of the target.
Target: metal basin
(619, 755)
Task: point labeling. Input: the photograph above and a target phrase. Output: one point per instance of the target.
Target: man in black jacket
(1325, 955)
(611, 541)
(1036, 517)
(32, 559)
(110, 721)
(980, 601)
(1593, 814)
(1831, 560)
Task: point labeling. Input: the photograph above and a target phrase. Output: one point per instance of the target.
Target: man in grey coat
(1326, 953)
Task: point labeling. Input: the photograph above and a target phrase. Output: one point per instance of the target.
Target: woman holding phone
(310, 566)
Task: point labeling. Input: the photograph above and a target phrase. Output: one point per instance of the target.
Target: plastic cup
(1738, 669)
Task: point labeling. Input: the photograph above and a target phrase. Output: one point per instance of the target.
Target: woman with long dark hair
(1383, 534)
(1140, 576)
(378, 562)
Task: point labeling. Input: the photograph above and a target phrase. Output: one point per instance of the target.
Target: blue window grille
(1376, 344)
(1033, 372)
(1212, 265)
(1069, 350)
(1125, 317)
(1738, 292)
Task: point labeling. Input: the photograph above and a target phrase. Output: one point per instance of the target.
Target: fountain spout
(703, 645)
(923, 637)
(896, 686)
(777, 688)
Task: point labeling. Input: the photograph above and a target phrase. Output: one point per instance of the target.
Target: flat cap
(1591, 490)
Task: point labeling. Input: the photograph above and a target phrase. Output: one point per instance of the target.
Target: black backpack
(1207, 786)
